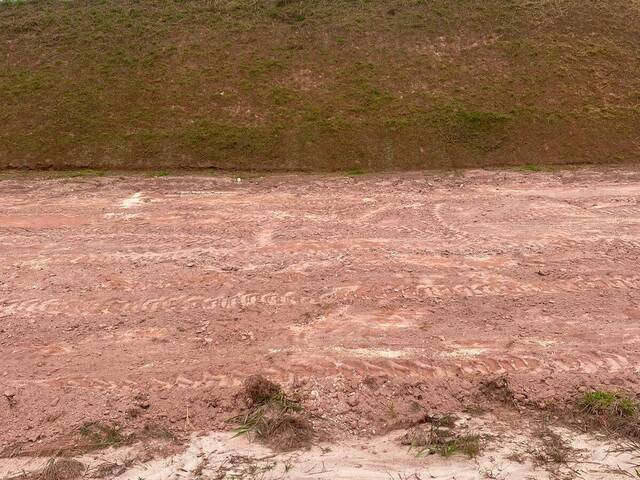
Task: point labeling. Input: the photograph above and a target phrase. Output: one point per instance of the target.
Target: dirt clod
(259, 390)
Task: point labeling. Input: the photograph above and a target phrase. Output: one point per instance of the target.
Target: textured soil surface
(138, 301)
(509, 452)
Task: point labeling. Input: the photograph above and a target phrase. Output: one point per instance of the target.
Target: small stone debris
(10, 396)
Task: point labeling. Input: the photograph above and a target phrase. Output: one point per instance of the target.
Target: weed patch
(440, 437)
(98, 436)
(553, 450)
(55, 469)
(273, 417)
(614, 412)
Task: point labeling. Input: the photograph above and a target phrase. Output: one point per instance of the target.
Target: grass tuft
(440, 438)
(553, 451)
(55, 469)
(99, 435)
(599, 402)
(530, 167)
(273, 417)
(615, 413)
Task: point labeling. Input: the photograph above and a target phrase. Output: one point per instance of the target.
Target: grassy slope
(318, 84)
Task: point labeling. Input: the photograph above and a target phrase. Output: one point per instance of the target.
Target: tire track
(171, 303)
(405, 369)
(185, 303)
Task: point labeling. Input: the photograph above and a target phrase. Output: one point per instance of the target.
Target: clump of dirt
(258, 389)
(273, 417)
(440, 436)
(56, 469)
(287, 432)
(498, 389)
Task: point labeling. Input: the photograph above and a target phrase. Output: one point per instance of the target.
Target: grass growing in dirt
(98, 436)
(55, 469)
(614, 412)
(273, 417)
(308, 85)
(354, 172)
(440, 437)
(553, 450)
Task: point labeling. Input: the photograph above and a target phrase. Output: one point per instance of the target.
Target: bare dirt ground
(514, 454)
(147, 301)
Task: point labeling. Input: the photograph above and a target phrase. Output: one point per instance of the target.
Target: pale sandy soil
(510, 452)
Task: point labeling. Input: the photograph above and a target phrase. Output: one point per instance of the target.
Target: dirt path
(136, 300)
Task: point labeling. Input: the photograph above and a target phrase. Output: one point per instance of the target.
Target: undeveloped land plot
(146, 301)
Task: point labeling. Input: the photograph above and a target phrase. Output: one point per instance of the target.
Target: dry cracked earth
(138, 300)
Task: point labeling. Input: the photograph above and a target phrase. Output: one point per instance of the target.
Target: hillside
(318, 84)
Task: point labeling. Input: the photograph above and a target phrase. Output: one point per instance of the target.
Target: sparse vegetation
(475, 410)
(159, 173)
(552, 450)
(615, 412)
(273, 417)
(440, 437)
(600, 402)
(98, 435)
(55, 469)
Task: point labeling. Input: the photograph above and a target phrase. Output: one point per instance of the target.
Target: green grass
(159, 173)
(599, 402)
(615, 413)
(440, 437)
(303, 85)
(530, 167)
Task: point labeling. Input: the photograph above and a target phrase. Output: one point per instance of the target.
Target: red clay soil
(134, 301)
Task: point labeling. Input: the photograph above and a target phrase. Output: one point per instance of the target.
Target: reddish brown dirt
(368, 295)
